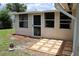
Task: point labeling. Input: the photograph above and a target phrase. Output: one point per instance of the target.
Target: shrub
(5, 18)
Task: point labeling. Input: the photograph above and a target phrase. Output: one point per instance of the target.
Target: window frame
(67, 20)
(52, 20)
(49, 19)
(23, 18)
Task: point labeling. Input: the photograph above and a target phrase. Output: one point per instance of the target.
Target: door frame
(33, 25)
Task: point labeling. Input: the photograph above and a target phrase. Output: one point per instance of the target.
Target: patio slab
(50, 46)
(45, 47)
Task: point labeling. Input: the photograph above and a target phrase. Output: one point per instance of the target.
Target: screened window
(23, 20)
(37, 20)
(65, 21)
(63, 16)
(49, 19)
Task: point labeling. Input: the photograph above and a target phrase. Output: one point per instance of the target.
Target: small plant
(11, 47)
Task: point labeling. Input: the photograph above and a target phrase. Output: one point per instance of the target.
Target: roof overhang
(66, 7)
(32, 12)
(60, 9)
(74, 7)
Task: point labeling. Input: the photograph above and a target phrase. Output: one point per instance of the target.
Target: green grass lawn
(4, 44)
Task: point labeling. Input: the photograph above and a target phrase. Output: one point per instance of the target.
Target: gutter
(60, 9)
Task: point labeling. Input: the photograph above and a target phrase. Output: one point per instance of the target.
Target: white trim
(30, 12)
(35, 25)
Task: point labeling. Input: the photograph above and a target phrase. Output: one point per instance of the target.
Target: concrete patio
(43, 46)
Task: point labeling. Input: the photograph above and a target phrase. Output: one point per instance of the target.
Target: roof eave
(65, 6)
(31, 12)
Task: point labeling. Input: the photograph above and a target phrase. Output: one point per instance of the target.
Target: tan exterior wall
(55, 32)
(24, 31)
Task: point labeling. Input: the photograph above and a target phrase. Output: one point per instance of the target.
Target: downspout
(60, 9)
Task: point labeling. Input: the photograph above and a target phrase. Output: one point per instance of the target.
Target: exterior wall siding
(24, 31)
(55, 32)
